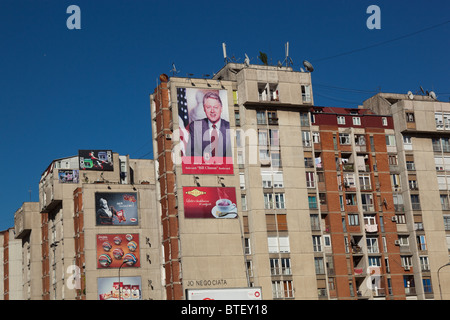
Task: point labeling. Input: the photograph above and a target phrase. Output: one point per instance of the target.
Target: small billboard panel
(128, 288)
(209, 202)
(96, 160)
(253, 293)
(116, 208)
(118, 250)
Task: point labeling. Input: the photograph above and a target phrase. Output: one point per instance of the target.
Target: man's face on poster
(213, 109)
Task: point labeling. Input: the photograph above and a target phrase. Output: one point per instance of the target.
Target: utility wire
(383, 42)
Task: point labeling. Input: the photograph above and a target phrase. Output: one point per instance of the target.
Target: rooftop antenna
(421, 89)
(247, 60)
(224, 48)
(174, 70)
(287, 59)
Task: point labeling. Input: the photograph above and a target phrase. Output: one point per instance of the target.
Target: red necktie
(214, 136)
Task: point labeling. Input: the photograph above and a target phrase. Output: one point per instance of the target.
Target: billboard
(128, 288)
(68, 176)
(204, 125)
(116, 208)
(96, 160)
(115, 250)
(209, 202)
(225, 294)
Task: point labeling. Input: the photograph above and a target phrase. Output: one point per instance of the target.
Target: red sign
(115, 250)
(209, 202)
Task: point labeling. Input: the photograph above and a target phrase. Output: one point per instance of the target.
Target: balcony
(348, 167)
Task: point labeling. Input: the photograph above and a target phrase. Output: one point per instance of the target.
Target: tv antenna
(224, 48)
(174, 70)
(287, 59)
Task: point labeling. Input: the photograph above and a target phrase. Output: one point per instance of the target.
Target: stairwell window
(306, 93)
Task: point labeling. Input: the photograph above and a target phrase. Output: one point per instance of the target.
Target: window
(279, 201)
(242, 180)
(410, 117)
(403, 240)
(282, 289)
(356, 121)
(395, 181)
(315, 221)
(272, 179)
(407, 143)
(340, 120)
(364, 181)
(406, 261)
(237, 118)
(410, 166)
(310, 182)
(444, 202)
(244, 202)
(427, 288)
(317, 243)
(393, 160)
(447, 223)
(353, 219)
(306, 93)
(367, 202)
(349, 180)
(316, 137)
(247, 246)
(272, 117)
(350, 199)
(306, 138)
(261, 117)
(372, 245)
(374, 262)
(304, 119)
(278, 244)
(344, 138)
(390, 140)
(312, 201)
(280, 266)
(415, 202)
(424, 263)
(319, 265)
(421, 243)
(268, 200)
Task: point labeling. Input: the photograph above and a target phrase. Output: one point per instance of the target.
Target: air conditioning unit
(407, 268)
(168, 136)
(397, 242)
(394, 218)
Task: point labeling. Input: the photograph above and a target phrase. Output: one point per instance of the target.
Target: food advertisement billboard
(209, 202)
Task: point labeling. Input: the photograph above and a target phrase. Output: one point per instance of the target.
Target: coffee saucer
(223, 215)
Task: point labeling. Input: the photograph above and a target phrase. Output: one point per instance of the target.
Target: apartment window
(310, 181)
(282, 289)
(317, 243)
(312, 201)
(403, 240)
(261, 117)
(395, 181)
(372, 245)
(412, 183)
(315, 222)
(243, 202)
(367, 202)
(237, 118)
(350, 199)
(268, 200)
(272, 179)
(349, 180)
(364, 181)
(306, 138)
(421, 242)
(344, 138)
(390, 140)
(447, 223)
(340, 120)
(374, 262)
(319, 265)
(393, 160)
(356, 121)
(304, 119)
(427, 288)
(415, 202)
(410, 166)
(407, 143)
(353, 219)
(278, 244)
(242, 180)
(272, 118)
(247, 246)
(424, 263)
(444, 202)
(384, 121)
(410, 117)
(280, 266)
(306, 93)
(406, 261)
(316, 137)
(279, 200)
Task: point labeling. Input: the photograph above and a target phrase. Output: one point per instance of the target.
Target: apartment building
(100, 236)
(421, 134)
(325, 198)
(11, 270)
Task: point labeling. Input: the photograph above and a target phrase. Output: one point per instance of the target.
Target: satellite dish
(308, 66)
(432, 94)
(410, 95)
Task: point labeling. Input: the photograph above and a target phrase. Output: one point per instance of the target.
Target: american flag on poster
(183, 118)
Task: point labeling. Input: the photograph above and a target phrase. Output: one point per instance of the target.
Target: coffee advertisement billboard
(209, 202)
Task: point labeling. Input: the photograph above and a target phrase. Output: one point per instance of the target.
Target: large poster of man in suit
(205, 131)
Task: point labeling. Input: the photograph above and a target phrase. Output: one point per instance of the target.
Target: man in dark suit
(210, 137)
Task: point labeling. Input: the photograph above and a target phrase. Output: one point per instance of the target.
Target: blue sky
(63, 90)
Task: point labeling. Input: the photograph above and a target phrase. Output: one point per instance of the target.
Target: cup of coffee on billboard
(225, 205)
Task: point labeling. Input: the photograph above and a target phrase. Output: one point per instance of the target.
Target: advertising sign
(115, 250)
(116, 208)
(224, 294)
(209, 202)
(204, 131)
(68, 176)
(128, 288)
(96, 160)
